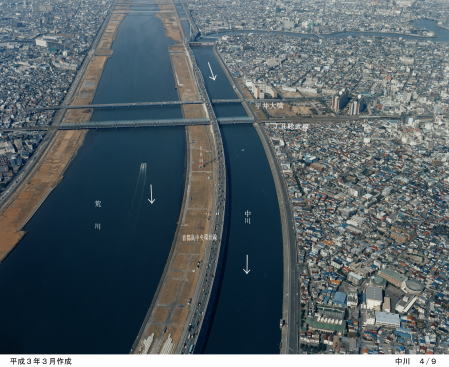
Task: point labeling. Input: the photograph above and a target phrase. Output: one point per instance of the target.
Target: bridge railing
(131, 123)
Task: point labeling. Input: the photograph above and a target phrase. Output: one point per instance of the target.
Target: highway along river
(247, 306)
(84, 275)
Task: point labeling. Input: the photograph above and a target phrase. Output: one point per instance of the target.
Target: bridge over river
(297, 120)
(171, 103)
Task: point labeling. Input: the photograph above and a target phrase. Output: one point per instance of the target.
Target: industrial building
(393, 277)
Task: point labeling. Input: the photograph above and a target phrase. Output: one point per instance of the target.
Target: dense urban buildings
(42, 46)
(320, 16)
(393, 75)
(15, 149)
(370, 204)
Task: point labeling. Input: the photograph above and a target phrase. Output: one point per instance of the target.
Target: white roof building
(387, 319)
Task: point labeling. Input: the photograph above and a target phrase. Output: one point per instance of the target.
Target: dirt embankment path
(167, 318)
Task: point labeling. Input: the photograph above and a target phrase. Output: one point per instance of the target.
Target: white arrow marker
(212, 76)
(151, 200)
(246, 270)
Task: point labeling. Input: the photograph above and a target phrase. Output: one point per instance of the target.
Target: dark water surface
(248, 307)
(220, 88)
(71, 288)
(139, 71)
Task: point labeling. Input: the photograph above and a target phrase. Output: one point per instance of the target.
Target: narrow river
(248, 307)
(440, 34)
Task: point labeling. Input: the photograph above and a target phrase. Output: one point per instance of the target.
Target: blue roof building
(340, 299)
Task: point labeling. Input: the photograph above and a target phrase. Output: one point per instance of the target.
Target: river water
(83, 277)
(71, 288)
(248, 307)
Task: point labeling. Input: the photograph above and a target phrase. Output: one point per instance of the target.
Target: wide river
(84, 275)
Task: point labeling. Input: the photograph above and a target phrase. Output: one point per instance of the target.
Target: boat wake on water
(138, 199)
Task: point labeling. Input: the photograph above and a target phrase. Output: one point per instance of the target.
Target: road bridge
(219, 121)
(30, 128)
(115, 105)
(205, 121)
(142, 12)
(265, 100)
(201, 43)
(325, 119)
(132, 123)
(150, 122)
(174, 103)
